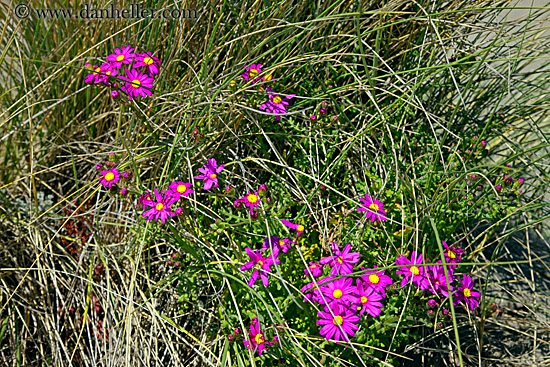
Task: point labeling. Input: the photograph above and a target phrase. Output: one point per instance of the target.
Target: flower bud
(521, 181)
(115, 94)
(174, 256)
(170, 262)
(432, 302)
(228, 190)
(324, 104)
(431, 312)
(178, 211)
(231, 337)
(123, 192)
(254, 215)
(177, 264)
(498, 188)
(98, 166)
(323, 111)
(335, 118)
(440, 325)
(232, 83)
(237, 331)
(483, 143)
(313, 118)
(126, 174)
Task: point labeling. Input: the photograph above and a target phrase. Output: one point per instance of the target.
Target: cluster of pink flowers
(432, 277)
(344, 300)
(277, 103)
(136, 82)
(161, 204)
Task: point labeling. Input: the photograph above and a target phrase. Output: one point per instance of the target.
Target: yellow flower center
(340, 260)
(337, 294)
(259, 338)
(213, 175)
(136, 81)
(260, 263)
(181, 189)
(108, 73)
(313, 266)
(232, 83)
(110, 176)
(252, 198)
(268, 78)
(364, 299)
(281, 243)
(374, 207)
(148, 198)
(414, 270)
(253, 72)
(98, 70)
(467, 292)
(451, 254)
(159, 206)
(300, 228)
(148, 60)
(338, 320)
(277, 99)
(119, 58)
(374, 279)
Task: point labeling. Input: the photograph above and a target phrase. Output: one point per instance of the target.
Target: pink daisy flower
(277, 244)
(341, 290)
(179, 189)
(151, 62)
(341, 325)
(438, 281)
(452, 254)
(210, 174)
(298, 227)
(315, 269)
(160, 206)
(341, 262)
(465, 293)
(138, 84)
(314, 295)
(110, 177)
(376, 279)
(142, 198)
(276, 104)
(368, 300)
(260, 264)
(97, 76)
(121, 56)
(373, 208)
(251, 72)
(251, 200)
(257, 338)
(413, 271)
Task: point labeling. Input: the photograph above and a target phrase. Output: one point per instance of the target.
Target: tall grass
(412, 84)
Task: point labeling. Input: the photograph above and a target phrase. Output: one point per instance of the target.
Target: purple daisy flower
(452, 254)
(151, 62)
(341, 325)
(376, 280)
(341, 262)
(121, 56)
(438, 281)
(251, 200)
(160, 207)
(368, 299)
(142, 198)
(257, 338)
(210, 174)
(413, 271)
(277, 244)
(179, 189)
(138, 83)
(260, 264)
(251, 72)
(110, 177)
(98, 74)
(276, 104)
(341, 290)
(314, 295)
(465, 293)
(373, 208)
(315, 269)
(298, 227)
